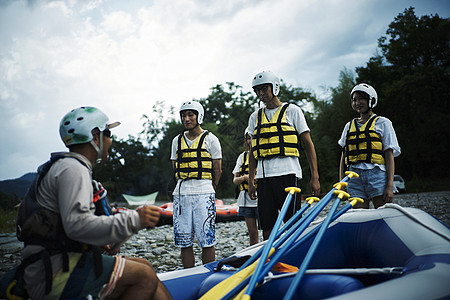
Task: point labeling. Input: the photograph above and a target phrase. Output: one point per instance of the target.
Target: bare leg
(187, 257)
(208, 254)
(378, 201)
(252, 230)
(365, 204)
(139, 281)
(266, 234)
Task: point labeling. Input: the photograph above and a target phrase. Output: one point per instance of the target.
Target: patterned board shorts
(194, 215)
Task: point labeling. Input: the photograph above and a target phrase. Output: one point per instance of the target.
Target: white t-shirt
(383, 126)
(244, 199)
(282, 165)
(196, 186)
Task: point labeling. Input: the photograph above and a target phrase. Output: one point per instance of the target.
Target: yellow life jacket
(193, 162)
(365, 144)
(275, 137)
(243, 170)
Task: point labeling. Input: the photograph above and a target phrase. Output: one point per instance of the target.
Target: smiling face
(360, 102)
(189, 119)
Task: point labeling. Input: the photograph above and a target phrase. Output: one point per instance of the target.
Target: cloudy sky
(123, 56)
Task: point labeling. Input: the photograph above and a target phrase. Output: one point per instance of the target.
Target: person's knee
(147, 273)
(142, 261)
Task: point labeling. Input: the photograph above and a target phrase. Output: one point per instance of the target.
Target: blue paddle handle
(268, 245)
(269, 265)
(294, 233)
(313, 231)
(289, 223)
(289, 240)
(285, 227)
(312, 249)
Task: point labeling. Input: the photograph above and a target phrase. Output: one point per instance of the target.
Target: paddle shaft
(312, 249)
(317, 208)
(285, 227)
(293, 233)
(268, 245)
(269, 265)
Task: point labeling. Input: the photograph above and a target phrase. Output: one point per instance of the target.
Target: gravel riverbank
(157, 244)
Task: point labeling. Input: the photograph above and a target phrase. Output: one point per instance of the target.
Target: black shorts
(271, 197)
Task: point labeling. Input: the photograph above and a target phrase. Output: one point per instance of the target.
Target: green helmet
(77, 125)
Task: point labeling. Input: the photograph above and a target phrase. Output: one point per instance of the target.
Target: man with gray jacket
(62, 235)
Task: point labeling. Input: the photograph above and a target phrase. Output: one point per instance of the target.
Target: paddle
(293, 233)
(352, 202)
(267, 250)
(271, 239)
(275, 258)
(309, 202)
(318, 208)
(301, 271)
(220, 289)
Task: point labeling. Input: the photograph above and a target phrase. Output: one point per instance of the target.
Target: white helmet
(267, 77)
(369, 90)
(77, 125)
(195, 106)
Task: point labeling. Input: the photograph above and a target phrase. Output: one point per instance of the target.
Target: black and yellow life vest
(243, 170)
(364, 144)
(275, 137)
(193, 162)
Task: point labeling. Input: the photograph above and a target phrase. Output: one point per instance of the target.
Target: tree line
(410, 73)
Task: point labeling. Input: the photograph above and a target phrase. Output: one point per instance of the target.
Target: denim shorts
(370, 183)
(248, 212)
(194, 215)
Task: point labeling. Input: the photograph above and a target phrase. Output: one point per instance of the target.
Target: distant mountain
(17, 187)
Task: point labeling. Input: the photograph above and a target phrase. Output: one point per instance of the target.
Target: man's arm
(388, 194)
(217, 172)
(312, 160)
(342, 167)
(251, 175)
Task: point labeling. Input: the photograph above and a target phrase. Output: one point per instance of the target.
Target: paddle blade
(223, 287)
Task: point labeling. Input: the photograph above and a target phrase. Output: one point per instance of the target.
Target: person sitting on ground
(63, 235)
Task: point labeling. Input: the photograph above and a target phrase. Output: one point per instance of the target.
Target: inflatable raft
(224, 212)
(388, 253)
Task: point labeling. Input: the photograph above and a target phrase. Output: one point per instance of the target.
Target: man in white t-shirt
(197, 162)
(277, 130)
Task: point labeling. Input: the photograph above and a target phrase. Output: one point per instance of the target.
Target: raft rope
(345, 271)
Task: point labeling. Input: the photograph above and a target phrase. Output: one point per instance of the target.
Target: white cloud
(123, 56)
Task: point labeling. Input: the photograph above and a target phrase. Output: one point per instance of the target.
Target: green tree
(332, 115)
(128, 171)
(412, 79)
(227, 110)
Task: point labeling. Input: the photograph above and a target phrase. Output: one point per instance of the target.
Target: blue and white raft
(388, 253)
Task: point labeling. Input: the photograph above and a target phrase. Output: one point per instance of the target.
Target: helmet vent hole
(71, 130)
(66, 123)
(80, 118)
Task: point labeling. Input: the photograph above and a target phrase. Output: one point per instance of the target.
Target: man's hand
(111, 251)
(252, 190)
(315, 187)
(148, 216)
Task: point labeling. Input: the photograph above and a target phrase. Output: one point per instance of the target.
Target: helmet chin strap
(98, 149)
